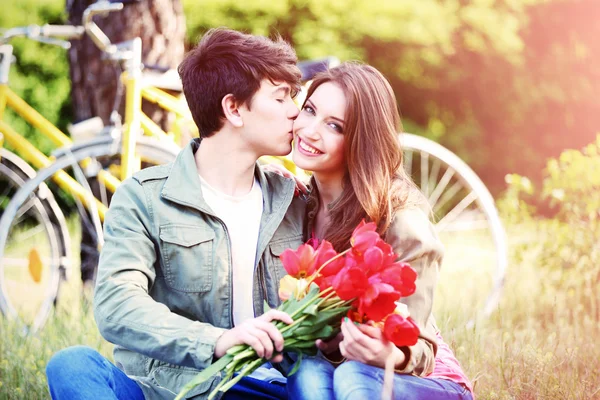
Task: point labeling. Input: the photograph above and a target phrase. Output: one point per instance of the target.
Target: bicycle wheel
(36, 247)
(106, 147)
(466, 219)
(91, 240)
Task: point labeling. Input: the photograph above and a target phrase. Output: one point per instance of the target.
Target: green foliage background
(41, 73)
(503, 83)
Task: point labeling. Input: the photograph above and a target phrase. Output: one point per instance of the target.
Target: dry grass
(540, 344)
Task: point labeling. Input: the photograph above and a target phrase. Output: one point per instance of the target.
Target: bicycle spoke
(441, 187)
(449, 194)
(24, 209)
(435, 170)
(408, 156)
(425, 173)
(457, 210)
(31, 232)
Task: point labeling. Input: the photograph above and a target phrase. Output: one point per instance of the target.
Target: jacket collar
(183, 186)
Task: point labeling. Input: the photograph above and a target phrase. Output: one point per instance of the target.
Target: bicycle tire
(46, 250)
(106, 147)
(428, 162)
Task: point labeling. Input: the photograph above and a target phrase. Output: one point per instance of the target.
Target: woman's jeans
(81, 372)
(317, 379)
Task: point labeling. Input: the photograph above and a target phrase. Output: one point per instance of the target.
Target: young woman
(346, 134)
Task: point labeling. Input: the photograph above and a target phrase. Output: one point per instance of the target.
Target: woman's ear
(231, 110)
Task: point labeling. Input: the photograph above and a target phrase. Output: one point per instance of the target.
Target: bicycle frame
(9, 99)
(135, 121)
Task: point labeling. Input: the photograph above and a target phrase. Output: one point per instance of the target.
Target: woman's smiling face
(319, 132)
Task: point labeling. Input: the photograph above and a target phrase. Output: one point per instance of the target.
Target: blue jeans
(317, 379)
(80, 372)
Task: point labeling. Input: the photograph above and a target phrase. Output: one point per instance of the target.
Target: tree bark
(161, 26)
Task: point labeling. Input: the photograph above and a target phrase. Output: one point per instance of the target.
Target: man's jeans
(80, 372)
(317, 379)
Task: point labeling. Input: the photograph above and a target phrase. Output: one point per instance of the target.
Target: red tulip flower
(373, 259)
(378, 301)
(401, 276)
(401, 331)
(389, 257)
(325, 253)
(364, 236)
(300, 263)
(324, 282)
(350, 283)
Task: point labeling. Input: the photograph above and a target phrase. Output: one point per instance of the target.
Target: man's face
(269, 120)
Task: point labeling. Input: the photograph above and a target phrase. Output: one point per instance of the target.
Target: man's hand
(259, 333)
(366, 344)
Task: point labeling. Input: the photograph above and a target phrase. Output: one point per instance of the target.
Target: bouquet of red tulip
(363, 282)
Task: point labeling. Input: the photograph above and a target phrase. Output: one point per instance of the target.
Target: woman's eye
(308, 109)
(280, 100)
(336, 127)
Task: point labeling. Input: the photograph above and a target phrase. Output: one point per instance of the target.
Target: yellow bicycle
(36, 245)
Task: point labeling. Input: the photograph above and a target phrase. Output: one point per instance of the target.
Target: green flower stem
(248, 352)
(299, 320)
(329, 295)
(321, 300)
(242, 357)
(222, 383)
(304, 306)
(236, 349)
(206, 374)
(234, 365)
(246, 371)
(339, 304)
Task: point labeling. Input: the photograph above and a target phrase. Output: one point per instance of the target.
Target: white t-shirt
(241, 215)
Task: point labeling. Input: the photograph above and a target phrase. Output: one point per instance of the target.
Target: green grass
(540, 344)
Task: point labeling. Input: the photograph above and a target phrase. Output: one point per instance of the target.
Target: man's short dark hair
(230, 62)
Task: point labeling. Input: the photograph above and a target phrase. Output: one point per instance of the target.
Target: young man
(192, 248)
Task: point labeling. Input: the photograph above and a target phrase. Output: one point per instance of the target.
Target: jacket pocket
(276, 249)
(187, 252)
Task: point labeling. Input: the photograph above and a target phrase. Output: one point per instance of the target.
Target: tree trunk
(161, 26)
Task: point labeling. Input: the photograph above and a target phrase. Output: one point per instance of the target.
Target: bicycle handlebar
(46, 33)
(98, 37)
(67, 31)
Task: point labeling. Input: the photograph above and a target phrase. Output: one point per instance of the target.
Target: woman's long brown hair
(375, 185)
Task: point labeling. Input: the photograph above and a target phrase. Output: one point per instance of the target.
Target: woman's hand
(366, 344)
(283, 171)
